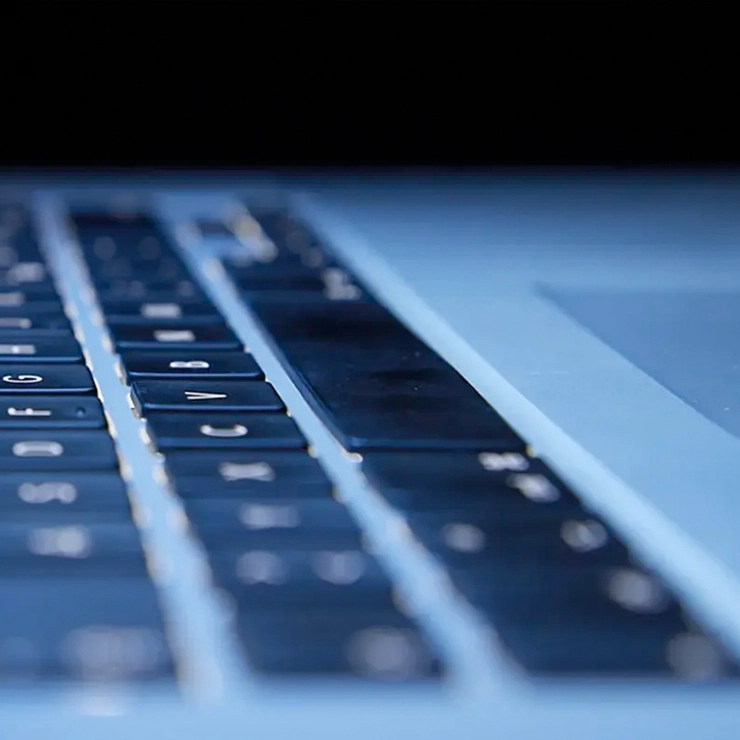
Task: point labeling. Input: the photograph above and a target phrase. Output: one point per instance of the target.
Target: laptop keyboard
(307, 593)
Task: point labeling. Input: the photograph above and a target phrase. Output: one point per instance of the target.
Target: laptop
(401, 456)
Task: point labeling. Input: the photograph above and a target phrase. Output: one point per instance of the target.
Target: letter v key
(192, 395)
(203, 396)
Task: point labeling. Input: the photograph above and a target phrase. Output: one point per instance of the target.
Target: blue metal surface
(463, 261)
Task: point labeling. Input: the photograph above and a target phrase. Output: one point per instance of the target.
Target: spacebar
(375, 384)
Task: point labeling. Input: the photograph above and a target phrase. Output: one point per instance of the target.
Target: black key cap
(23, 379)
(193, 338)
(310, 279)
(353, 326)
(291, 237)
(51, 412)
(224, 431)
(433, 471)
(183, 364)
(171, 313)
(91, 629)
(110, 245)
(287, 266)
(43, 497)
(72, 549)
(124, 268)
(15, 321)
(113, 222)
(377, 645)
(268, 475)
(292, 281)
(209, 395)
(325, 579)
(580, 542)
(139, 290)
(644, 650)
(17, 298)
(296, 524)
(26, 273)
(33, 346)
(41, 450)
(38, 289)
(457, 482)
(294, 521)
(376, 385)
(614, 621)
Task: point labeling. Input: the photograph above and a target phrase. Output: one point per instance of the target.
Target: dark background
(462, 85)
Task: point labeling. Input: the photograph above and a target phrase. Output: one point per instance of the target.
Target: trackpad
(687, 341)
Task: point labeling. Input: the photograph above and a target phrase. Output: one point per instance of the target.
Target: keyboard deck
(237, 487)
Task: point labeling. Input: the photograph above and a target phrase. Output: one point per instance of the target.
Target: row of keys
(308, 597)
(66, 520)
(563, 592)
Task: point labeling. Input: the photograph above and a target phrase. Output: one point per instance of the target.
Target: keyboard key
(139, 290)
(210, 395)
(613, 621)
(87, 221)
(432, 471)
(23, 379)
(646, 650)
(70, 549)
(16, 298)
(309, 276)
(291, 524)
(183, 364)
(51, 412)
(382, 645)
(13, 304)
(267, 474)
(33, 346)
(356, 326)
(15, 321)
(459, 483)
(325, 579)
(161, 336)
(92, 629)
(294, 281)
(290, 237)
(41, 450)
(171, 313)
(224, 431)
(580, 542)
(376, 385)
(24, 273)
(39, 289)
(166, 267)
(43, 497)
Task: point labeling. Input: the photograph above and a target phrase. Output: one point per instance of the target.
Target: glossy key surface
(198, 394)
(162, 336)
(82, 629)
(41, 497)
(243, 474)
(70, 548)
(224, 431)
(381, 646)
(21, 379)
(375, 384)
(51, 412)
(324, 578)
(40, 450)
(185, 364)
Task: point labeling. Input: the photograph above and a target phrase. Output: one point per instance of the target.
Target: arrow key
(192, 395)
